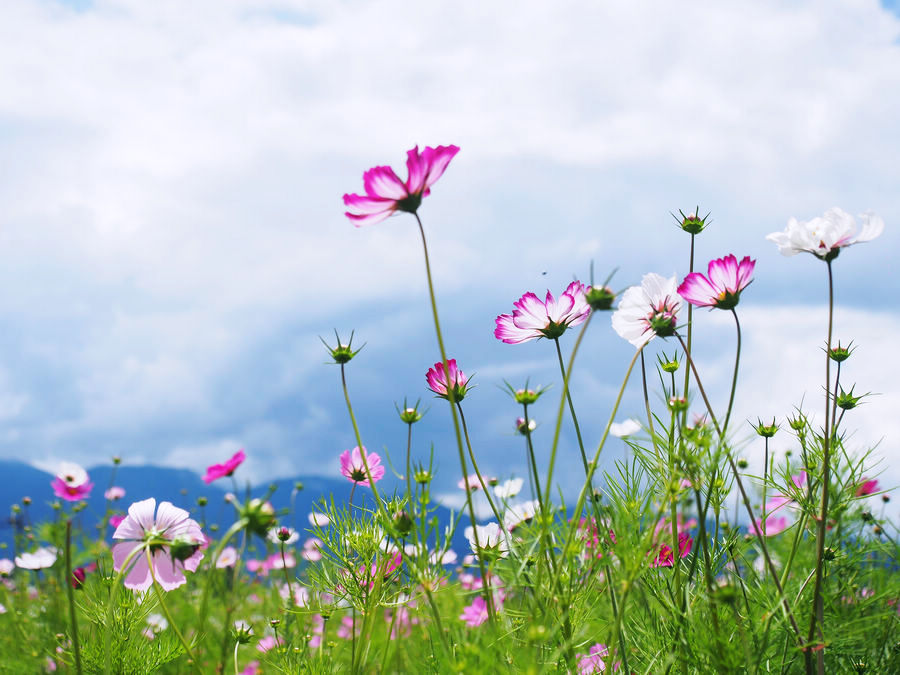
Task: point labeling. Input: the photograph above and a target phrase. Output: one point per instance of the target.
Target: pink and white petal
(745, 272)
(530, 312)
(120, 553)
(193, 562)
(723, 273)
(142, 513)
(370, 219)
(168, 571)
(697, 290)
(169, 517)
(437, 160)
(382, 182)
(129, 529)
(558, 308)
(508, 332)
(416, 172)
(138, 577)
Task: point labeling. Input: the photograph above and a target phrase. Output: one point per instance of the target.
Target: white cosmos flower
(622, 429)
(491, 537)
(40, 559)
(517, 514)
(648, 310)
(509, 488)
(448, 557)
(319, 519)
(825, 235)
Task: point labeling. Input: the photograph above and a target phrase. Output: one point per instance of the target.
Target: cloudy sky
(172, 237)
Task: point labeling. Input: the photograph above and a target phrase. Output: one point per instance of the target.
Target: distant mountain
(181, 487)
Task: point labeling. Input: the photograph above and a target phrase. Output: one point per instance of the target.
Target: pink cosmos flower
(472, 482)
(867, 487)
(227, 558)
(114, 493)
(217, 471)
(170, 535)
(533, 319)
(665, 558)
(722, 285)
(318, 630)
(6, 567)
(116, 519)
(773, 525)
(268, 643)
(594, 661)
(475, 614)
(349, 627)
(438, 382)
(386, 194)
(251, 668)
(648, 310)
(71, 483)
(353, 468)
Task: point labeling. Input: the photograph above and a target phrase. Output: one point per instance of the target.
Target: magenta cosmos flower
(386, 194)
(217, 471)
(439, 383)
(71, 483)
(867, 487)
(533, 318)
(594, 661)
(172, 538)
(722, 285)
(353, 468)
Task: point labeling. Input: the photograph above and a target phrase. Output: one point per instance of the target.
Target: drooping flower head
(172, 537)
(71, 483)
(386, 194)
(722, 285)
(825, 236)
(534, 318)
(353, 468)
(217, 471)
(648, 310)
(439, 382)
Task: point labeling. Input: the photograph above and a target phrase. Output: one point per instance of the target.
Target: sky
(173, 244)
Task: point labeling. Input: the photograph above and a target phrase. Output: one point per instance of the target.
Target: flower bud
(678, 404)
(116, 460)
(242, 632)
(298, 486)
(742, 463)
(26, 501)
(766, 430)
(202, 501)
(527, 396)
(668, 365)
(524, 429)
(829, 554)
(403, 523)
(600, 298)
(839, 353)
(867, 516)
(846, 400)
(797, 423)
(422, 476)
(410, 415)
(342, 353)
(692, 223)
(260, 516)
(78, 577)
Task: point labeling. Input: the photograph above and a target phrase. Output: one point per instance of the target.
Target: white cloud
(173, 214)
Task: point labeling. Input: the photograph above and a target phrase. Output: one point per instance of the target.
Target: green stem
(236, 527)
(236, 645)
(70, 591)
(456, 427)
(409, 489)
(111, 604)
(484, 486)
(737, 363)
(818, 606)
(690, 327)
(562, 370)
(162, 603)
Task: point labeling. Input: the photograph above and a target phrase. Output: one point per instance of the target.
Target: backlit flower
(533, 318)
(71, 483)
(473, 482)
(825, 236)
(722, 285)
(664, 557)
(217, 471)
(353, 468)
(172, 538)
(492, 539)
(386, 194)
(114, 493)
(439, 382)
(227, 558)
(509, 488)
(648, 310)
(517, 514)
(283, 535)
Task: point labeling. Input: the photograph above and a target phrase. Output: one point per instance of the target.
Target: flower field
(680, 558)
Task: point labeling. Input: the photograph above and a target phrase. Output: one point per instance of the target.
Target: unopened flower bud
(829, 554)
(766, 430)
(846, 400)
(202, 501)
(342, 353)
(797, 423)
(877, 529)
(524, 429)
(867, 516)
(742, 463)
(78, 577)
(885, 498)
(242, 632)
(410, 415)
(600, 298)
(26, 501)
(274, 623)
(260, 516)
(298, 486)
(116, 460)
(403, 523)
(840, 353)
(423, 476)
(527, 396)
(692, 223)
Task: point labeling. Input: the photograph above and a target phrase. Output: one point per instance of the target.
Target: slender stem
(111, 604)
(165, 609)
(453, 414)
(70, 591)
(737, 363)
(737, 477)
(818, 607)
(484, 486)
(236, 645)
(764, 486)
(236, 527)
(409, 489)
(562, 370)
(287, 577)
(690, 327)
